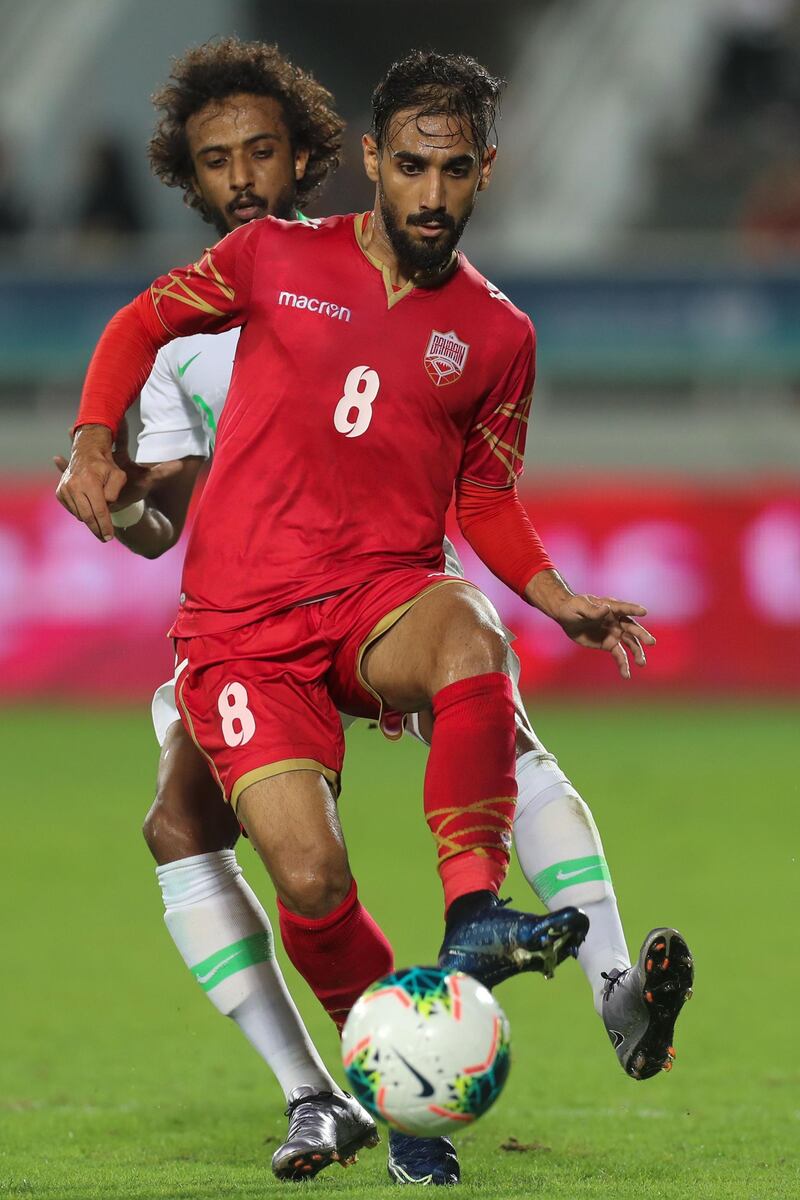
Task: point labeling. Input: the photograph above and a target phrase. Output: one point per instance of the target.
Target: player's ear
(371, 157)
(487, 164)
(301, 156)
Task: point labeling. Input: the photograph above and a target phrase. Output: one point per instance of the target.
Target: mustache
(441, 219)
(245, 199)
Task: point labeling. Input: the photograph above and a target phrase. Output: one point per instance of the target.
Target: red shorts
(264, 699)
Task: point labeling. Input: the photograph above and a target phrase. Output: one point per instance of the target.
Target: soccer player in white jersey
(230, 136)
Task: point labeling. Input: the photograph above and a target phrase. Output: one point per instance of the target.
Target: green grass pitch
(117, 1078)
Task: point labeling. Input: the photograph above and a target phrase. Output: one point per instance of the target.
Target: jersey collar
(394, 294)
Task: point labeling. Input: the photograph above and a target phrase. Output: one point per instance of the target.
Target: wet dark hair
(433, 84)
(227, 67)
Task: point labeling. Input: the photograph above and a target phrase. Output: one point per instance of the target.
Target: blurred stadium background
(646, 213)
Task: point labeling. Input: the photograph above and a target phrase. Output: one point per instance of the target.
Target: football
(427, 1051)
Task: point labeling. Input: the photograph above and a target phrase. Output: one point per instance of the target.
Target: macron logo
(326, 307)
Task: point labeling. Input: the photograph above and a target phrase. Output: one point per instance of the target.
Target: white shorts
(165, 710)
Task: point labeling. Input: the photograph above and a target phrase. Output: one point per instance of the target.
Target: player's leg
(255, 703)
(332, 940)
(553, 827)
(219, 927)
(293, 822)
(449, 651)
(559, 849)
(561, 854)
(189, 815)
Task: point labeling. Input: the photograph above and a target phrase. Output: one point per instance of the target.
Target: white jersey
(180, 407)
(182, 400)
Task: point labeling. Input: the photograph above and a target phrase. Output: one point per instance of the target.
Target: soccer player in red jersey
(412, 653)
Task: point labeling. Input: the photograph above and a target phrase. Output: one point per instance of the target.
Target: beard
(417, 256)
(281, 206)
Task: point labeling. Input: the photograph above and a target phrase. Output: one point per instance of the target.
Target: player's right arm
(209, 297)
(152, 506)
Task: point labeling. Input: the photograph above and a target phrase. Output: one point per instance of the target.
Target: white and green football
(427, 1051)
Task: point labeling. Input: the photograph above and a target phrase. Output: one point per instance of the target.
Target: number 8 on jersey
(360, 389)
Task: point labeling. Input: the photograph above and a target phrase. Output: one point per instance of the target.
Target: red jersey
(353, 408)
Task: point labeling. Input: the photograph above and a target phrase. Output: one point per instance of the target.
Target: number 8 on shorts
(238, 723)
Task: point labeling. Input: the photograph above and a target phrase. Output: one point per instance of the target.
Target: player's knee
(164, 833)
(480, 649)
(150, 829)
(315, 889)
(177, 826)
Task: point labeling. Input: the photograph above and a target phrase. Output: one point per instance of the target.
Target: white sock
(225, 938)
(561, 854)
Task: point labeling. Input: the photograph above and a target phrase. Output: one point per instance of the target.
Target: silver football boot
(323, 1128)
(641, 1005)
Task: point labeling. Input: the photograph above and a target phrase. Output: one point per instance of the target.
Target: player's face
(244, 163)
(427, 177)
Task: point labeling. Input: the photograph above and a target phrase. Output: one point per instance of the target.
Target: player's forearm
(500, 532)
(547, 591)
(151, 536)
(121, 363)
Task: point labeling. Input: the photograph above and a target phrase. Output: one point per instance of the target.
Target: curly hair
(433, 84)
(227, 67)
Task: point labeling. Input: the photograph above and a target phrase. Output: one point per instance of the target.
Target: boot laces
(316, 1098)
(613, 977)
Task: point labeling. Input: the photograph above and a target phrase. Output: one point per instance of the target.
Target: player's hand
(140, 479)
(604, 623)
(91, 480)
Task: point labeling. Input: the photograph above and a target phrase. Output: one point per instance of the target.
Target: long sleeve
(210, 296)
(499, 530)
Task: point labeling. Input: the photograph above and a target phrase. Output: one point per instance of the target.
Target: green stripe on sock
(552, 880)
(246, 953)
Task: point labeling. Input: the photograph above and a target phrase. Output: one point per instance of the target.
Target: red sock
(338, 955)
(470, 783)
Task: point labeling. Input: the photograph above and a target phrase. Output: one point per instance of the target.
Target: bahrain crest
(445, 357)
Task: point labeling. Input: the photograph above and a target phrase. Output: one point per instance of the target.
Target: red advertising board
(717, 566)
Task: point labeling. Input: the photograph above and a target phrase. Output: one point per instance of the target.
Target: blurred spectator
(771, 212)
(13, 218)
(107, 200)
(756, 63)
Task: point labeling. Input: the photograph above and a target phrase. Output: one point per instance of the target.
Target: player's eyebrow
(257, 137)
(420, 160)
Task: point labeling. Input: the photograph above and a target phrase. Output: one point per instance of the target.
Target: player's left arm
(496, 525)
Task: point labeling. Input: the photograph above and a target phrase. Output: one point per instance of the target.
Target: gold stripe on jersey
(494, 443)
(199, 267)
(518, 413)
(510, 409)
(178, 289)
(270, 770)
